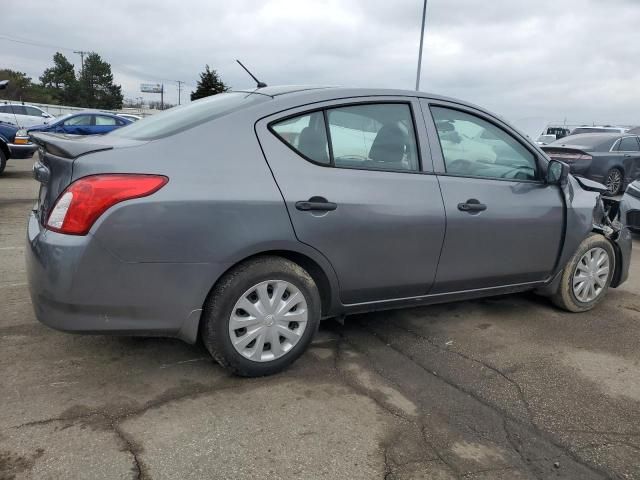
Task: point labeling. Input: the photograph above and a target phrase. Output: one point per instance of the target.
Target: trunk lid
(53, 167)
(565, 154)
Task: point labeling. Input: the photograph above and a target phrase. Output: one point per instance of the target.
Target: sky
(531, 61)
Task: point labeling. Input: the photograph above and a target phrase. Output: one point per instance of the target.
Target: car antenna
(259, 84)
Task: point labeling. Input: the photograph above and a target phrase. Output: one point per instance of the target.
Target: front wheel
(3, 161)
(261, 316)
(587, 276)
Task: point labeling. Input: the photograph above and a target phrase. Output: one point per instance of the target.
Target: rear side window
(628, 144)
(371, 137)
(104, 120)
(188, 116)
(307, 135)
(15, 109)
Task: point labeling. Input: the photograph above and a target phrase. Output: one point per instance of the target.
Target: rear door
(504, 224)
(629, 149)
(104, 124)
(359, 188)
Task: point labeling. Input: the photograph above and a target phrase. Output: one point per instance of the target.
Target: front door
(359, 189)
(504, 224)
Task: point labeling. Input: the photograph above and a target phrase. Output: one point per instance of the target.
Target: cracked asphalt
(502, 388)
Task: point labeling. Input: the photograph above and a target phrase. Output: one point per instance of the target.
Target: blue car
(82, 123)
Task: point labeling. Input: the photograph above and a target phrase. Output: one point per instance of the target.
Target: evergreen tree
(61, 80)
(22, 89)
(97, 89)
(209, 84)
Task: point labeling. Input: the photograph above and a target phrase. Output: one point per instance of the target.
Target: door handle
(320, 204)
(472, 205)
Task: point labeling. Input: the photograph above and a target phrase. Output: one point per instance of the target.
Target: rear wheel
(587, 276)
(261, 316)
(614, 181)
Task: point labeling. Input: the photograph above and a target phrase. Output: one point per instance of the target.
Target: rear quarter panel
(221, 201)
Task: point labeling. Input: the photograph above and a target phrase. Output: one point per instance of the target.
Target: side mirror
(45, 115)
(557, 173)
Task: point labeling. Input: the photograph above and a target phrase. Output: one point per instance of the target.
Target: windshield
(188, 116)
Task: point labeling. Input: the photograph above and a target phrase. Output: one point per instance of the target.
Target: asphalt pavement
(501, 388)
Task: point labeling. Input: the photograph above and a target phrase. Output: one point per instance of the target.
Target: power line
(137, 73)
(82, 53)
(179, 82)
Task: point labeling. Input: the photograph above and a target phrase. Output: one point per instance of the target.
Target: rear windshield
(187, 116)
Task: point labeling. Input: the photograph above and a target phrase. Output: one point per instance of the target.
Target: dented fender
(588, 211)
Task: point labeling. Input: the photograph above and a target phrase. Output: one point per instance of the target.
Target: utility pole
(82, 53)
(424, 16)
(179, 82)
(162, 97)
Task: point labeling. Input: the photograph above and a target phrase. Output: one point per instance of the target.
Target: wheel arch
(313, 262)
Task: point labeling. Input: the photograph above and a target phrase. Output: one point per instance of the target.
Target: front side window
(372, 137)
(628, 144)
(104, 120)
(33, 111)
(475, 147)
(79, 120)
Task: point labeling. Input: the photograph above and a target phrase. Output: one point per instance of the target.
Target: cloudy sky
(528, 60)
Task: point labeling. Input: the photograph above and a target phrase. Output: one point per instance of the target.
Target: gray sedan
(247, 217)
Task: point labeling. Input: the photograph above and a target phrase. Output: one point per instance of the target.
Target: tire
(3, 161)
(574, 299)
(614, 181)
(279, 280)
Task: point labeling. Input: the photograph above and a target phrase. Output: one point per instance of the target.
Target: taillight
(82, 203)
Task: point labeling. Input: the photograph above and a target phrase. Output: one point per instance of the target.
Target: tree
(21, 88)
(97, 89)
(61, 79)
(209, 84)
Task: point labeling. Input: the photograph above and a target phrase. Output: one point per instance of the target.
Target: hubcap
(590, 276)
(268, 320)
(613, 181)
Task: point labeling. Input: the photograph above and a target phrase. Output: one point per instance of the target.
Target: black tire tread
(227, 290)
(564, 297)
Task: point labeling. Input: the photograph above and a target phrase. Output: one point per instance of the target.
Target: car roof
(338, 92)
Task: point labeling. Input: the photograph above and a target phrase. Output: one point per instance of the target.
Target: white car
(24, 115)
(129, 116)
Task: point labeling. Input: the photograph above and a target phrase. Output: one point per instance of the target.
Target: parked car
(12, 147)
(24, 115)
(546, 139)
(290, 205)
(631, 199)
(81, 123)
(129, 116)
(609, 158)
